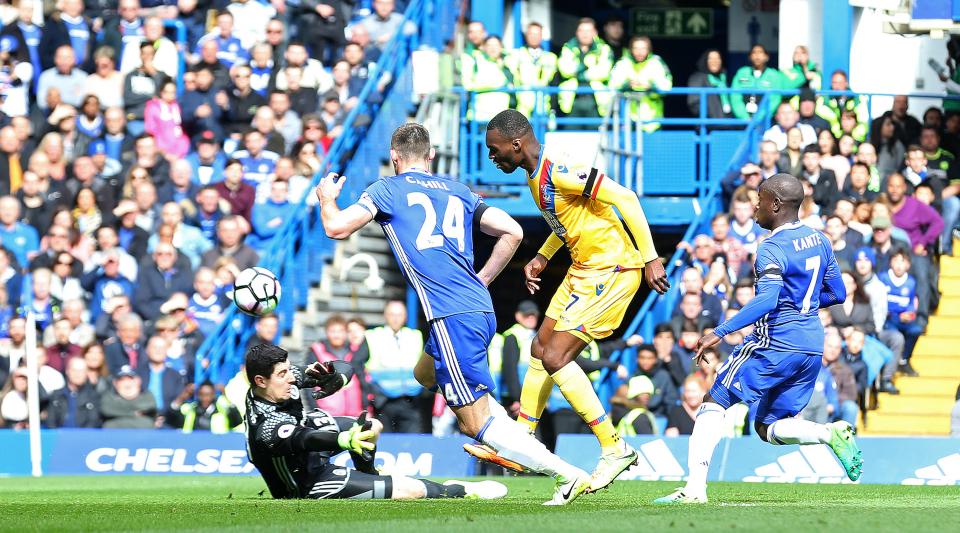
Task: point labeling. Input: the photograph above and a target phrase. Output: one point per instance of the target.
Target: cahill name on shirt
(429, 184)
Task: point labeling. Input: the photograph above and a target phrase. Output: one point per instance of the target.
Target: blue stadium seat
(670, 163)
(723, 146)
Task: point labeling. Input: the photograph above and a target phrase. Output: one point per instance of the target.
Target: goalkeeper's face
(277, 387)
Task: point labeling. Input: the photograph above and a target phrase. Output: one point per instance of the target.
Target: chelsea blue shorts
(779, 383)
(458, 344)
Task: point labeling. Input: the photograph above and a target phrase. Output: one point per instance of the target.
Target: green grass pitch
(224, 503)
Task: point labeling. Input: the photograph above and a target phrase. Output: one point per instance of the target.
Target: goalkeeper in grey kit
(293, 449)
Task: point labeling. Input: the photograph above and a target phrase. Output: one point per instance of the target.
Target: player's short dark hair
(207, 383)
(646, 348)
(510, 123)
(535, 24)
(357, 320)
(261, 359)
(859, 164)
(930, 128)
(786, 187)
(232, 161)
(411, 142)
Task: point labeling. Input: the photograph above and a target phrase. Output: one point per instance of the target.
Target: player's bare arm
(628, 204)
(536, 265)
(339, 223)
(497, 223)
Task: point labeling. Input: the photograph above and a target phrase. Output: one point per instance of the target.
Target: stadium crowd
(128, 206)
(884, 191)
(141, 171)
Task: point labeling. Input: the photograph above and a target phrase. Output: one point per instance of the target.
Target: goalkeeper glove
(357, 439)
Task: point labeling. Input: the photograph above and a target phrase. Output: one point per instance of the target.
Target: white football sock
(496, 409)
(797, 431)
(707, 431)
(513, 442)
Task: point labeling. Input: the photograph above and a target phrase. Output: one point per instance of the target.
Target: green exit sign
(673, 23)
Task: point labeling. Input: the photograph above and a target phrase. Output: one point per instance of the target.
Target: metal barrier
(670, 168)
(300, 249)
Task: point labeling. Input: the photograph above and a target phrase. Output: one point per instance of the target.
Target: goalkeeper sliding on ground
(293, 450)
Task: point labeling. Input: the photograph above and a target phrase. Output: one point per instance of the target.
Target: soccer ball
(256, 291)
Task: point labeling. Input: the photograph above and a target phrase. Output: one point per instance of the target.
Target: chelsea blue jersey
(800, 260)
(428, 221)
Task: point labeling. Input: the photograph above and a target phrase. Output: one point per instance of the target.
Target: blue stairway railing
(300, 249)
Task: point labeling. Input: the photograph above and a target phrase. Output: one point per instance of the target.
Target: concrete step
(370, 244)
(880, 423)
(950, 285)
(927, 385)
(391, 277)
(938, 345)
(943, 325)
(949, 306)
(359, 290)
(947, 366)
(950, 265)
(312, 323)
(346, 305)
(915, 404)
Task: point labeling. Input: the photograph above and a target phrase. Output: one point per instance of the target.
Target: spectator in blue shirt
(207, 160)
(258, 164)
(71, 28)
(21, 239)
(105, 282)
(46, 308)
(208, 213)
(181, 188)
(902, 305)
(158, 377)
(206, 306)
(743, 227)
(269, 216)
(230, 50)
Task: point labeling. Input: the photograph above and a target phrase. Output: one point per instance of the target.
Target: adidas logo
(809, 464)
(946, 471)
(480, 387)
(656, 463)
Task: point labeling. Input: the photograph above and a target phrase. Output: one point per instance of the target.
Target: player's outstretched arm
(628, 204)
(337, 223)
(768, 293)
(497, 223)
